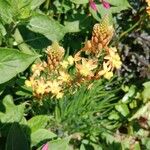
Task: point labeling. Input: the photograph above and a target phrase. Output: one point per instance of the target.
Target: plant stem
(129, 30)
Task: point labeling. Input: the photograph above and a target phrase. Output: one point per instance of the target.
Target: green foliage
(36, 3)
(59, 144)
(146, 92)
(10, 112)
(16, 138)
(16, 128)
(79, 1)
(47, 26)
(116, 7)
(44, 135)
(5, 11)
(38, 122)
(86, 111)
(13, 62)
(103, 117)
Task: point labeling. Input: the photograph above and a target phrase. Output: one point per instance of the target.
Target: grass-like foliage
(74, 75)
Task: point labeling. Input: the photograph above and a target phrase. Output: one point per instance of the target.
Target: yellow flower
(64, 64)
(113, 58)
(108, 75)
(37, 68)
(40, 87)
(86, 67)
(148, 10)
(65, 77)
(31, 82)
(59, 95)
(148, 2)
(28, 83)
(55, 88)
(70, 60)
(148, 7)
(106, 72)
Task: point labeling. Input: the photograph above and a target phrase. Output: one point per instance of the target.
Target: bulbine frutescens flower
(148, 6)
(59, 74)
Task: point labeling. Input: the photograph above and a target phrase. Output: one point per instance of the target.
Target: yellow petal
(28, 83)
(64, 64)
(108, 75)
(70, 60)
(59, 95)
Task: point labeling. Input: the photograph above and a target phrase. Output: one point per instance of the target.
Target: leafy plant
(80, 94)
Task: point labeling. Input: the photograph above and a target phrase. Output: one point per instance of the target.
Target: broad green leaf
(38, 122)
(146, 91)
(9, 112)
(82, 147)
(114, 115)
(143, 111)
(80, 1)
(36, 3)
(73, 26)
(95, 14)
(59, 144)
(133, 104)
(137, 146)
(40, 136)
(16, 139)
(113, 9)
(123, 109)
(13, 62)
(20, 8)
(103, 11)
(2, 29)
(50, 28)
(132, 90)
(146, 142)
(125, 98)
(5, 11)
(122, 3)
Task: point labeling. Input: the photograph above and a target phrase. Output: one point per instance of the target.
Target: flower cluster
(97, 48)
(59, 74)
(51, 77)
(148, 7)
